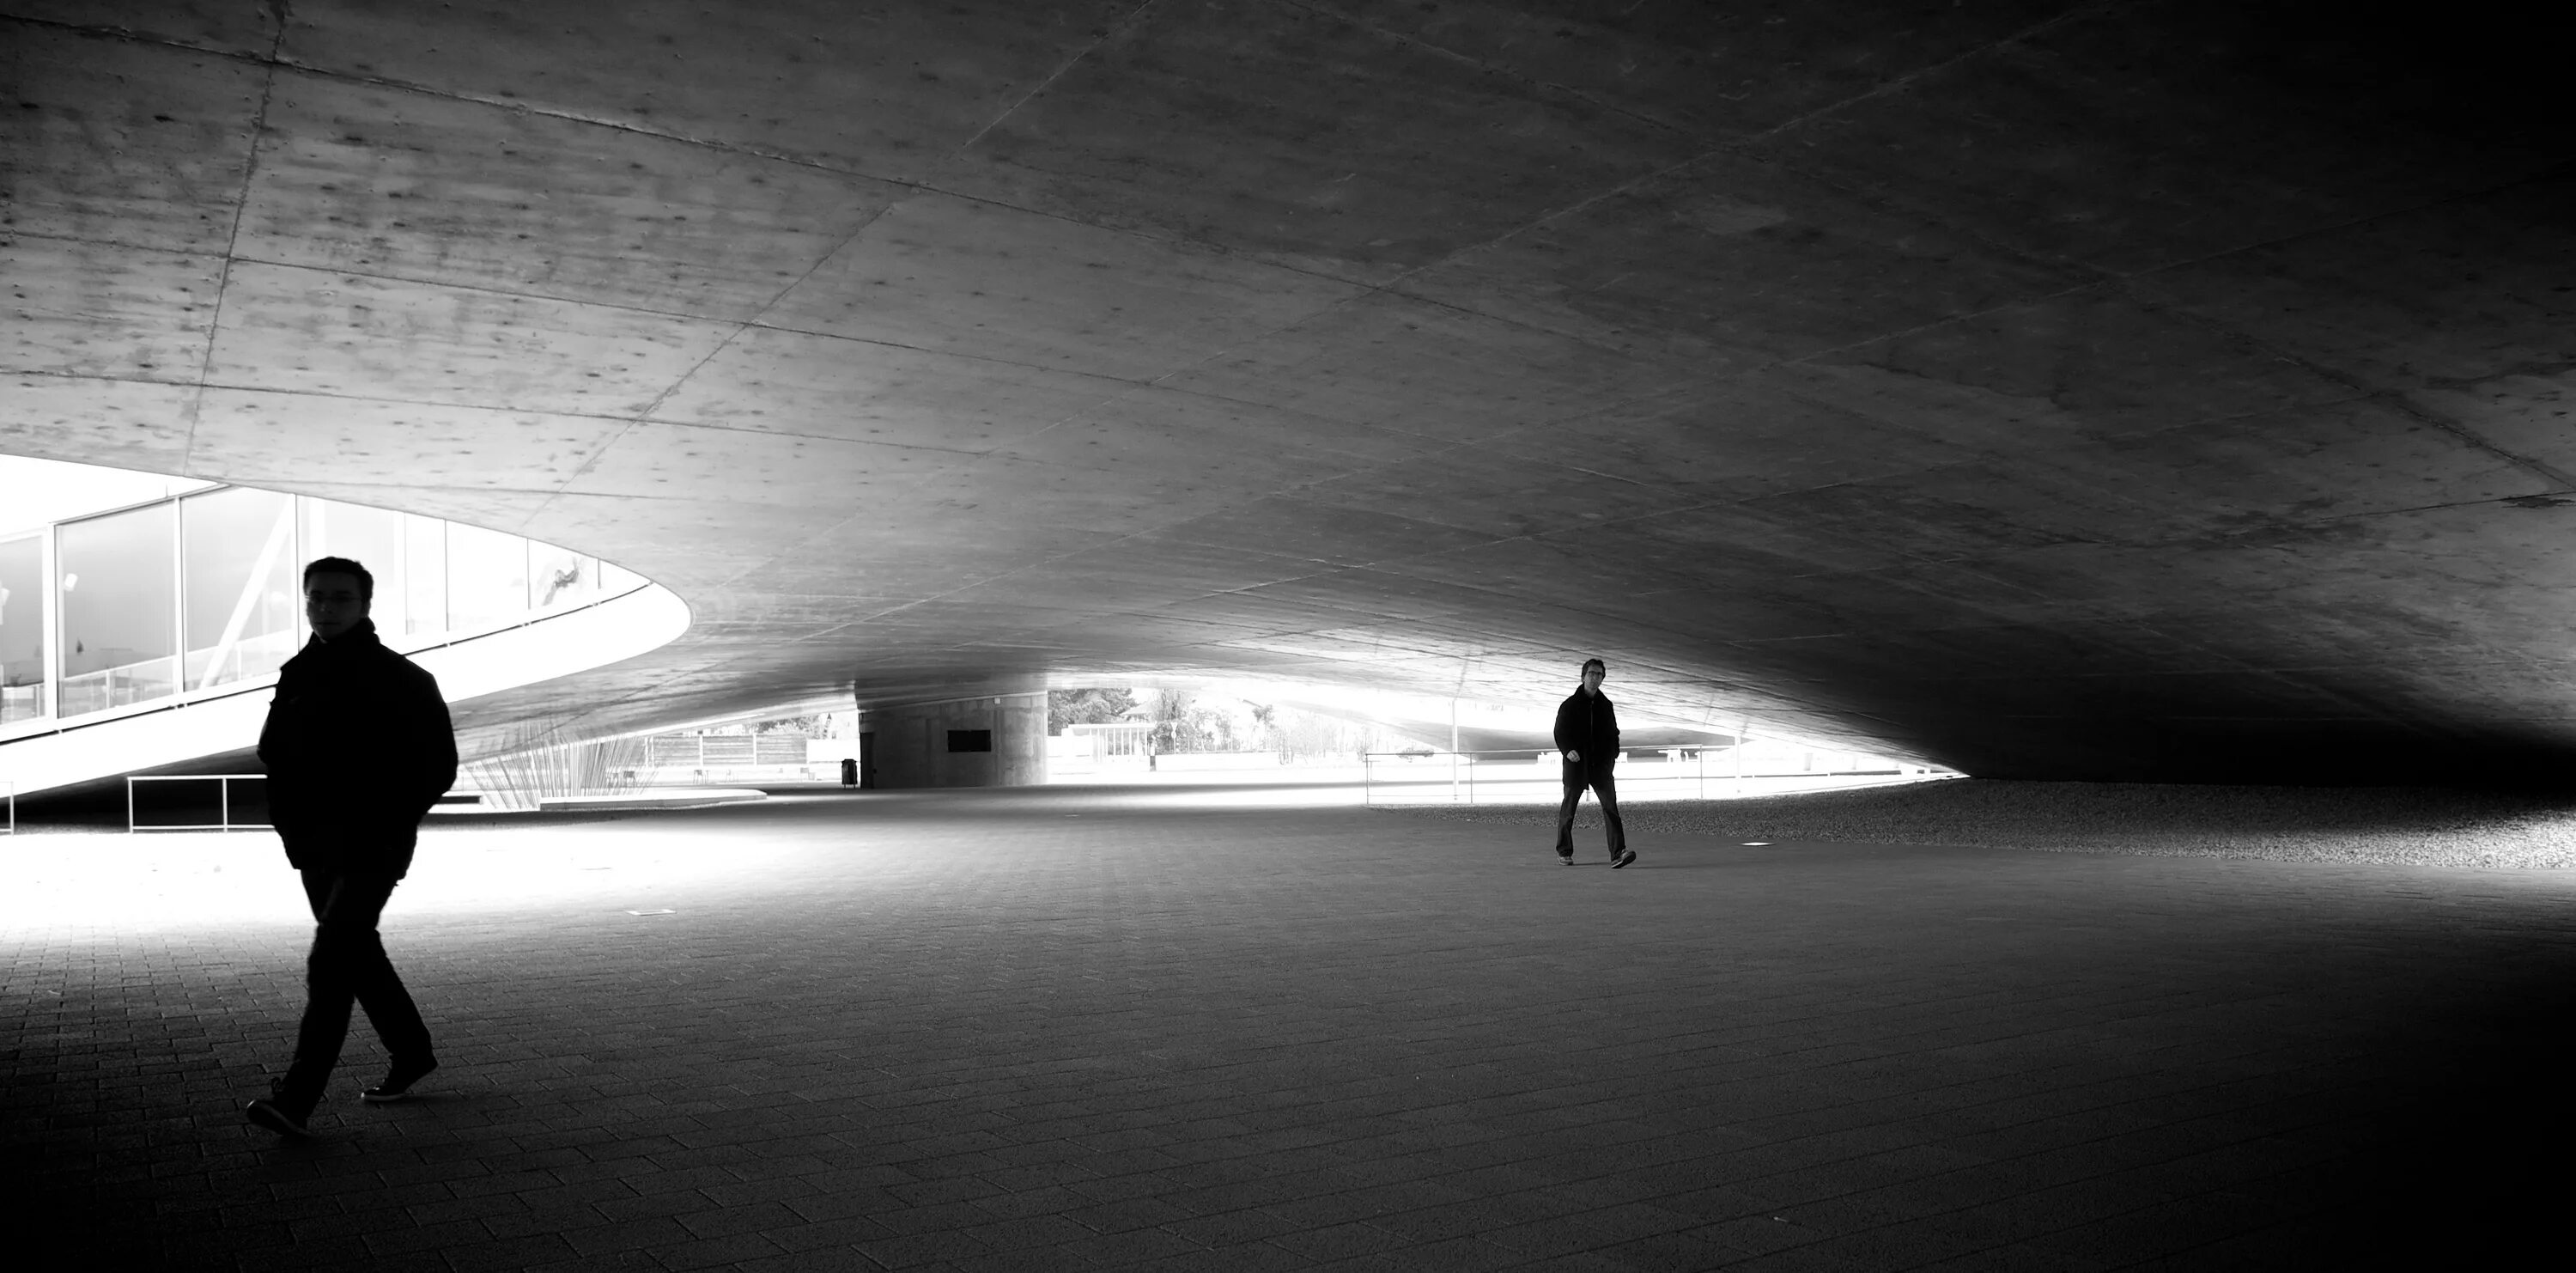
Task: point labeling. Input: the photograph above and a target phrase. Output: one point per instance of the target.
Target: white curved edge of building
(595, 635)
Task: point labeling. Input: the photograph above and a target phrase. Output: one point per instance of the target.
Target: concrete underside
(1058, 1029)
(2110, 391)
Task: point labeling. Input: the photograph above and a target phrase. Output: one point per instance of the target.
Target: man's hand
(1574, 757)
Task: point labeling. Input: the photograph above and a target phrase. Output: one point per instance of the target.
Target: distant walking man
(1587, 731)
(358, 747)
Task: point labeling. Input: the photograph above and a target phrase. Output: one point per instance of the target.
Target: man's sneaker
(1566, 858)
(1625, 857)
(275, 1117)
(398, 1081)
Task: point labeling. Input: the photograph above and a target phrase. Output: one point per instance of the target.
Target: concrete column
(986, 741)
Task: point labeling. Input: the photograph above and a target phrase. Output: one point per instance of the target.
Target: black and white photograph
(1372, 636)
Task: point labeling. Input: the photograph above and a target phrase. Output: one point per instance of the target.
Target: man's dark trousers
(1578, 775)
(348, 964)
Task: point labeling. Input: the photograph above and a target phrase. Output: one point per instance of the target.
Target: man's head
(1593, 671)
(337, 595)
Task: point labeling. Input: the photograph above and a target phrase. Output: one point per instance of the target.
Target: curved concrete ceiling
(2102, 390)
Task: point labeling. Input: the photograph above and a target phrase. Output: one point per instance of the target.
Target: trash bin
(849, 772)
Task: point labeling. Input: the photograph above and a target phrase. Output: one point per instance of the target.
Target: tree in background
(1189, 723)
(1185, 723)
(1299, 735)
(1087, 707)
(1170, 711)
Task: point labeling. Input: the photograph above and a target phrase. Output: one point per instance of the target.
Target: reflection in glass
(558, 576)
(371, 537)
(424, 576)
(119, 594)
(239, 549)
(22, 629)
(487, 577)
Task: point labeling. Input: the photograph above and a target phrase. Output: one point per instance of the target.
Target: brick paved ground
(1053, 1029)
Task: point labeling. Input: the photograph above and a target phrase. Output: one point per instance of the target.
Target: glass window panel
(119, 601)
(22, 629)
(371, 537)
(424, 575)
(617, 578)
(558, 576)
(487, 577)
(243, 599)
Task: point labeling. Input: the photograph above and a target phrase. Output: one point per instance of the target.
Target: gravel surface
(2422, 826)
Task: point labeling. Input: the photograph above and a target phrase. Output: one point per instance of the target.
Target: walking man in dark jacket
(358, 747)
(1587, 731)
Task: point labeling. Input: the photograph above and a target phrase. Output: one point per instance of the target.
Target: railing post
(224, 802)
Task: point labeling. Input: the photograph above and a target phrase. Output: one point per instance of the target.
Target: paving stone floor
(1072, 1029)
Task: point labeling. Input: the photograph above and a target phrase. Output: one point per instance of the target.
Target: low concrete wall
(1191, 761)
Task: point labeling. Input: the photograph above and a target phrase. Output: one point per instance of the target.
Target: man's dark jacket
(1586, 723)
(358, 747)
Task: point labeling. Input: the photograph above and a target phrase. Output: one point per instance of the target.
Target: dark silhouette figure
(1587, 731)
(358, 747)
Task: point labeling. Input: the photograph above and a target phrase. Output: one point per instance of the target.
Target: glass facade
(202, 594)
(120, 606)
(22, 629)
(237, 553)
(425, 579)
(371, 537)
(487, 576)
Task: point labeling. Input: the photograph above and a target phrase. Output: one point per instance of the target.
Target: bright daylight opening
(125, 594)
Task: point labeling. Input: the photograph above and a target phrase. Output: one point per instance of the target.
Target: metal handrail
(225, 807)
